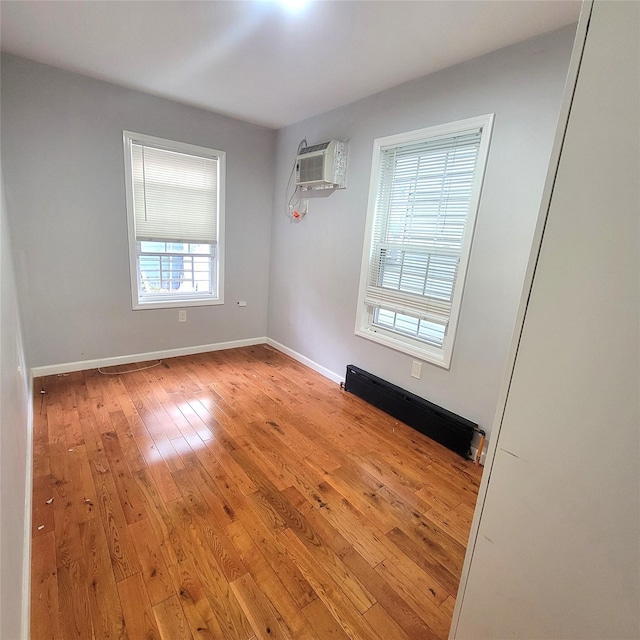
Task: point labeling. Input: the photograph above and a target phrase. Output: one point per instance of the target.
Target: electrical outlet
(182, 315)
(416, 369)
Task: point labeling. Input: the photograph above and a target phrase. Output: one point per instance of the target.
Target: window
(423, 200)
(175, 212)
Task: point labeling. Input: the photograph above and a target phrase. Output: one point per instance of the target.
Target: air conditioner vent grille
(315, 147)
(312, 169)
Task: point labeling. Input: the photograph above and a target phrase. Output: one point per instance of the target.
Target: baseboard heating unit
(445, 427)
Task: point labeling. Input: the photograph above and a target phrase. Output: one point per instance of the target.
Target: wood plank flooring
(238, 495)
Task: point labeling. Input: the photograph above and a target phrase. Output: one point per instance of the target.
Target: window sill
(177, 304)
(425, 353)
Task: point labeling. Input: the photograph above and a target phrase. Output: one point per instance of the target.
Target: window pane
(146, 246)
(163, 272)
(423, 330)
(431, 332)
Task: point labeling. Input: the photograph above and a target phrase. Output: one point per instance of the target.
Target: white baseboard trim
(306, 361)
(25, 622)
(82, 365)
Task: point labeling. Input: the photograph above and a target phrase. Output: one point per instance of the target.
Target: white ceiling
(260, 62)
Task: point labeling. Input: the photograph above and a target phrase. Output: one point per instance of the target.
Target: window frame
(173, 300)
(440, 356)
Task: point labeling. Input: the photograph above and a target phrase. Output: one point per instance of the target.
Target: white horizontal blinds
(424, 193)
(175, 196)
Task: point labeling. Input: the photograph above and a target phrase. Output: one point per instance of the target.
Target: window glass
(424, 195)
(175, 207)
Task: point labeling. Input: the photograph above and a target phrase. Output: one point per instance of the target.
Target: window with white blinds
(175, 210)
(425, 189)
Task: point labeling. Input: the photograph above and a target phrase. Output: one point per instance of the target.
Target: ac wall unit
(322, 166)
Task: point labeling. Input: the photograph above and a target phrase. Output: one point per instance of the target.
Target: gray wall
(63, 164)
(63, 167)
(14, 441)
(557, 552)
(315, 264)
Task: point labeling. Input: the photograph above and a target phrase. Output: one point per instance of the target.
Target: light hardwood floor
(237, 495)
